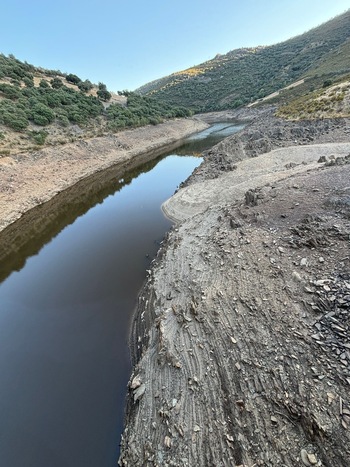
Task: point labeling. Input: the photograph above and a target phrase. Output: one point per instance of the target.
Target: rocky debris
(265, 132)
(332, 328)
(246, 364)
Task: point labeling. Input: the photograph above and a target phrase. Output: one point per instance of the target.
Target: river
(65, 315)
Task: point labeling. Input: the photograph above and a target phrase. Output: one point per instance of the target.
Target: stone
(304, 457)
(139, 392)
(312, 459)
(136, 382)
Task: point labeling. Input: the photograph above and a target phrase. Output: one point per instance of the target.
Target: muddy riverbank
(29, 180)
(241, 341)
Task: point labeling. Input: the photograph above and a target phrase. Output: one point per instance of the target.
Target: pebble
(312, 459)
(296, 276)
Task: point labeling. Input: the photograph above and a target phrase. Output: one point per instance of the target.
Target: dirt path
(242, 336)
(29, 180)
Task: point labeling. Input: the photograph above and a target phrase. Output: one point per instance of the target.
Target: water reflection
(64, 316)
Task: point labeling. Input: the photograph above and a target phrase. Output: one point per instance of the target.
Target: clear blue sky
(128, 43)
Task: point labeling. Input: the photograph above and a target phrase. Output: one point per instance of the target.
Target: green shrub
(74, 79)
(10, 92)
(29, 82)
(17, 119)
(56, 83)
(39, 137)
(42, 115)
(44, 84)
(85, 86)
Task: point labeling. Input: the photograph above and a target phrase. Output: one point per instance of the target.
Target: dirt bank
(32, 179)
(242, 339)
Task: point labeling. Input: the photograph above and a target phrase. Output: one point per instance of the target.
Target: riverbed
(66, 308)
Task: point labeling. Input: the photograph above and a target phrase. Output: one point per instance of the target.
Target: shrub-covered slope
(40, 106)
(245, 75)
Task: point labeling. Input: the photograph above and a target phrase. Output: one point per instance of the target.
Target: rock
(322, 159)
(305, 457)
(312, 459)
(304, 262)
(136, 382)
(297, 277)
(234, 224)
(139, 392)
(251, 198)
(167, 442)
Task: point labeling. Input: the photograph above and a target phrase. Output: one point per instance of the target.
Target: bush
(15, 119)
(38, 137)
(29, 82)
(44, 84)
(42, 115)
(327, 83)
(85, 86)
(10, 92)
(74, 79)
(56, 83)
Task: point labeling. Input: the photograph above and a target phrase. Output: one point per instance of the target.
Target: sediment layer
(241, 340)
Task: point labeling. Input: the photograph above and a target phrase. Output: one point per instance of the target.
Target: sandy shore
(29, 180)
(241, 341)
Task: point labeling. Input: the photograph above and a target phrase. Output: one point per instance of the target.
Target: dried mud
(241, 340)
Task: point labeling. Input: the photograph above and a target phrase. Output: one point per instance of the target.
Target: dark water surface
(65, 315)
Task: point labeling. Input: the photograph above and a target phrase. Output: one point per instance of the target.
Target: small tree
(102, 92)
(56, 83)
(74, 79)
(42, 114)
(44, 84)
(85, 86)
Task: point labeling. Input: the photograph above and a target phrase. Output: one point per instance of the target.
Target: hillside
(46, 107)
(248, 74)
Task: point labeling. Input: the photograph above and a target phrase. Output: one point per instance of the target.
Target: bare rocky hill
(241, 338)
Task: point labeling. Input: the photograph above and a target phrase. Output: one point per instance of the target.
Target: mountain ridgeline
(248, 74)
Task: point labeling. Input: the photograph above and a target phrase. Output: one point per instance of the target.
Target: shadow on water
(71, 270)
(25, 237)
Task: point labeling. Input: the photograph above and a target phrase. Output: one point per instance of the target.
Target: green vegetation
(330, 100)
(141, 111)
(42, 105)
(246, 75)
(33, 96)
(39, 137)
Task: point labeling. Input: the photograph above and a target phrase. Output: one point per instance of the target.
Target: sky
(126, 44)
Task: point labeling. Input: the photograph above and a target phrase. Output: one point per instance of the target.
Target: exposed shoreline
(30, 180)
(236, 358)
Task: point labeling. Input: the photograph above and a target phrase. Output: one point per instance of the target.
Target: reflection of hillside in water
(196, 144)
(25, 237)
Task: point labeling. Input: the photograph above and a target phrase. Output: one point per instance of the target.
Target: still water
(65, 316)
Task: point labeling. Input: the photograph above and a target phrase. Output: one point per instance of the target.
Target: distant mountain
(246, 75)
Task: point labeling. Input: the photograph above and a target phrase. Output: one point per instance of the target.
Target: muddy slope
(242, 339)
